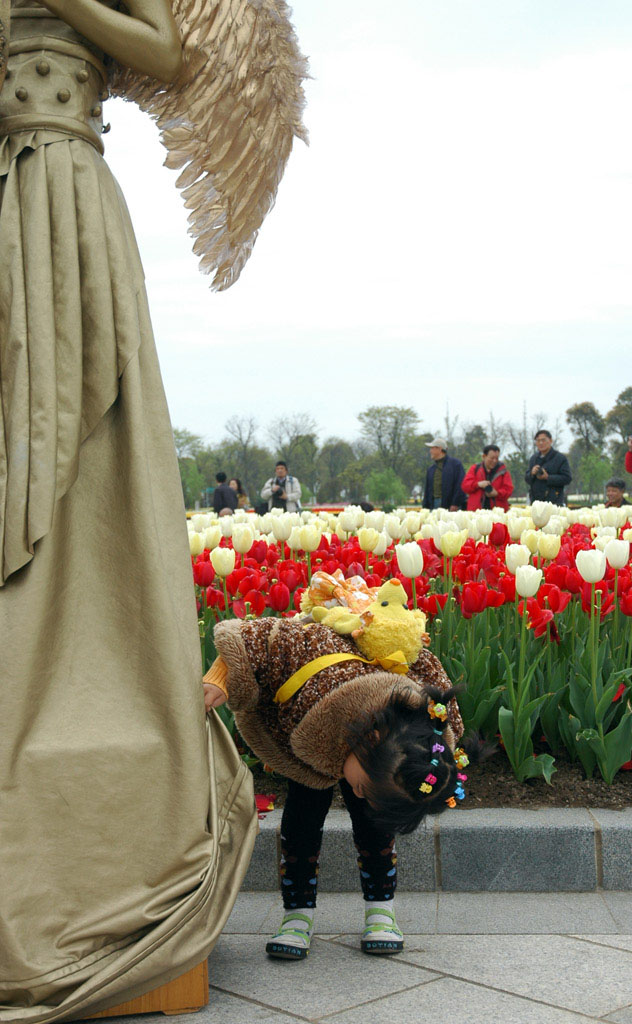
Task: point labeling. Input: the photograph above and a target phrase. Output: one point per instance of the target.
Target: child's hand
(213, 696)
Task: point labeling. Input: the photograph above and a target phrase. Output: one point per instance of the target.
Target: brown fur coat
(304, 738)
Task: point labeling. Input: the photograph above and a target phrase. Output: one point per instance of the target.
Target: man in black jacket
(548, 472)
(443, 478)
(224, 497)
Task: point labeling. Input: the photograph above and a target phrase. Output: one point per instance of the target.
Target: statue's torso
(56, 79)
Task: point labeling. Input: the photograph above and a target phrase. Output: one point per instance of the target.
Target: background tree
(333, 458)
(389, 430)
(384, 487)
(619, 422)
(287, 435)
(593, 471)
(588, 428)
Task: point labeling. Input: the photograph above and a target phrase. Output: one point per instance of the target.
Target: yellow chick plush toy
(387, 625)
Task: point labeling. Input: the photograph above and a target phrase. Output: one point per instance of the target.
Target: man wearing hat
(443, 478)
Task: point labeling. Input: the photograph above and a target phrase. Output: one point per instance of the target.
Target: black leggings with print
(301, 835)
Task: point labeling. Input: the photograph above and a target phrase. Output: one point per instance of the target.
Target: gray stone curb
(487, 850)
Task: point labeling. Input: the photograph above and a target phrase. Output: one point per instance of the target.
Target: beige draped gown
(126, 820)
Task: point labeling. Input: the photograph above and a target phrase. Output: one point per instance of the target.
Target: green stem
(225, 595)
(366, 562)
(309, 567)
(615, 626)
(414, 582)
(523, 647)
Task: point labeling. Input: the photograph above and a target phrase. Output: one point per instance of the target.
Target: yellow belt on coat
(395, 662)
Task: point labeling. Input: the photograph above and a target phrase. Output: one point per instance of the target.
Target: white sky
(458, 230)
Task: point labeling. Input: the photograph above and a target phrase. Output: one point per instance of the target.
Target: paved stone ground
(470, 958)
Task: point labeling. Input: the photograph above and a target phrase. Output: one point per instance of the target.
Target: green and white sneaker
(381, 934)
(292, 940)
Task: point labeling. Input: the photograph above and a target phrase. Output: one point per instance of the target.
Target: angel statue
(127, 819)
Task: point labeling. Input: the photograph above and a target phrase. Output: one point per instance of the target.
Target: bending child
(319, 712)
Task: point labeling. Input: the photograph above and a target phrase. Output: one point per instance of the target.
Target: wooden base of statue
(185, 994)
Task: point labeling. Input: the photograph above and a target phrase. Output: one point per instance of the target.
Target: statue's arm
(5, 15)
(145, 39)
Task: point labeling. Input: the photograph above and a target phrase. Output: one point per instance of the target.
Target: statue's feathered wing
(228, 120)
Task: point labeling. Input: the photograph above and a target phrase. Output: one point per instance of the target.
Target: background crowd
(581, 457)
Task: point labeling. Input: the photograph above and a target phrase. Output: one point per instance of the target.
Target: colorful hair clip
(438, 748)
(459, 792)
(460, 758)
(425, 788)
(437, 710)
(430, 778)
(451, 802)
(434, 762)
(439, 732)
(461, 777)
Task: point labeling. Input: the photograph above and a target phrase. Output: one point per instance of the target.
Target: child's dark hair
(394, 746)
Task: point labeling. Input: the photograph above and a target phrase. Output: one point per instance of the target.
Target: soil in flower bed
(492, 784)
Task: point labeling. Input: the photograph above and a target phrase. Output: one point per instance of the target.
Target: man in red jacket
(488, 484)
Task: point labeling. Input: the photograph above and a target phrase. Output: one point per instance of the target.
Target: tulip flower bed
(530, 610)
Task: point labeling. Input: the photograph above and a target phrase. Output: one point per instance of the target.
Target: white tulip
(591, 565)
(530, 538)
(515, 556)
(427, 531)
(394, 527)
(412, 522)
(549, 545)
(346, 519)
(541, 512)
(452, 542)
(368, 538)
(212, 536)
(601, 543)
(223, 560)
(196, 544)
(294, 540)
(473, 530)
(528, 580)
(516, 526)
(309, 537)
(627, 534)
(484, 523)
(226, 525)
(375, 520)
(243, 538)
(200, 522)
(382, 544)
(603, 531)
(281, 527)
(609, 517)
(410, 559)
(618, 553)
(555, 526)
(463, 519)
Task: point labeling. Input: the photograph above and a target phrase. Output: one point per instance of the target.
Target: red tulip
(625, 603)
(473, 599)
(253, 603)
(507, 586)
(433, 604)
(550, 596)
(499, 535)
(279, 597)
(203, 573)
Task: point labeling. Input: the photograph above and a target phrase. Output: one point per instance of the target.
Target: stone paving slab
(515, 913)
(333, 978)
(558, 970)
(485, 850)
(455, 1002)
(498, 977)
